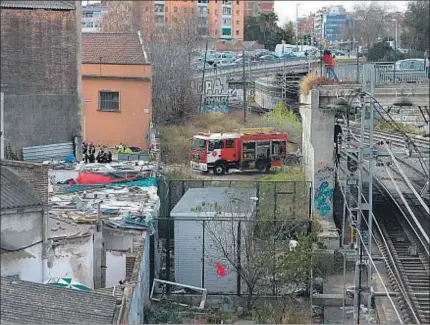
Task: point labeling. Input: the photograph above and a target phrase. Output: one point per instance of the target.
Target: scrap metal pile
(131, 205)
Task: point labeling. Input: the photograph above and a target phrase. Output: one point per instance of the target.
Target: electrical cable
(22, 248)
(374, 266)
(426, 237)
(357, 93)
(410, 140)
(406, 179)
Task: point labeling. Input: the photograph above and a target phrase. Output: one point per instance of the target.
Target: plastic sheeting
(147, 182)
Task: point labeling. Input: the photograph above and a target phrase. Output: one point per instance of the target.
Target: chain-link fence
(232, 237)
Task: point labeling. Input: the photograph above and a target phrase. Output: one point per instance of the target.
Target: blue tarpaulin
(147, 182)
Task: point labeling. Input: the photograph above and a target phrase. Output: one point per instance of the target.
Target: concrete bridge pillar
(318, 158)
(318, 152)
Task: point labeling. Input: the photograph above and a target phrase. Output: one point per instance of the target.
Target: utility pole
(358, 247)
(203, 76)
(2, 125)
(245, 108)
(297, 23)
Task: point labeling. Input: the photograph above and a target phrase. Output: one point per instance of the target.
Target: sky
(286, 10)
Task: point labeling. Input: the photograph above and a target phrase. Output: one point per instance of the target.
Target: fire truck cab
(248, 149)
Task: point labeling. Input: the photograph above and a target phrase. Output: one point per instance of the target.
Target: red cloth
(220, 270)
(328, 60)
(92, 178)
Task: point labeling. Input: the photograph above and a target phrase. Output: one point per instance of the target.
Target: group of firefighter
(89, 152)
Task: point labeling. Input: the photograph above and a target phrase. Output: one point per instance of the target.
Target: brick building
(40, 76)
(306, 26)
(217, 19)
(255, 7)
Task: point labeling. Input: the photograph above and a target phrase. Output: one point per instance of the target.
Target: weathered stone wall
(40, 77)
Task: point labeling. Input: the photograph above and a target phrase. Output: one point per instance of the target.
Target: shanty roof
(203, 202)
(16, 192)
(53, 5)
(29, 302)
(112, 48)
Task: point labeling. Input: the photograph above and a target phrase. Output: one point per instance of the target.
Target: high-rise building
(226, 19)
(215, 18)
(91, 17)
(328, 23)
(255, 7)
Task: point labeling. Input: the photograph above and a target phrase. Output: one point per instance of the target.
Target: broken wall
(72, 257)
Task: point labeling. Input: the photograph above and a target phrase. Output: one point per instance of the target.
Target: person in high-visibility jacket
(328, 62)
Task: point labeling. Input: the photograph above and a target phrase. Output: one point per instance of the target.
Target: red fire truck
(246, 149)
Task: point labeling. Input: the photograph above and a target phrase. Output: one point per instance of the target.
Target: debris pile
(132, 205)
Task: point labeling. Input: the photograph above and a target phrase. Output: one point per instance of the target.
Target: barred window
(109, 101)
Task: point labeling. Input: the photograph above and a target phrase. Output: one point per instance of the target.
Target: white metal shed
(195, 253)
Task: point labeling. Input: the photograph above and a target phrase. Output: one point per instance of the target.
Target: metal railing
(377, 74)
(259, 64)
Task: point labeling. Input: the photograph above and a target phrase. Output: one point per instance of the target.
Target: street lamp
(297, 22)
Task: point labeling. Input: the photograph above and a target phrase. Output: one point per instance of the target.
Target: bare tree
(370, 22)
(170, 49)
(118, 18)
(254, 249)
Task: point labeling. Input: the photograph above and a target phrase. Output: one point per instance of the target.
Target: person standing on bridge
(427, 64)
(328, 61)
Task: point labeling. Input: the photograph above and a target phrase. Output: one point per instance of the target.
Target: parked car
(226, 63)
(240, 61)
(410, 65)
(407, 71)
(268, 58)
(289, 55)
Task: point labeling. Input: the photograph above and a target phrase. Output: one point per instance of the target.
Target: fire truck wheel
(263, 167)
(219, 169)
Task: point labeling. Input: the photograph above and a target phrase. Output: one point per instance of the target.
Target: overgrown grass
(175, 139)
(288, 173)
(380, 124)
(312, 81)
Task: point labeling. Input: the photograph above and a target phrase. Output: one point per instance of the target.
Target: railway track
(416, 175)
(409, 272)
(396, 140)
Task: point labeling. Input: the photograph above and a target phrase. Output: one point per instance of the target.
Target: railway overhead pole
(355, 173)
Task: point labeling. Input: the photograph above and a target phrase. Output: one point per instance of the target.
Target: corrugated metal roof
(115, 291)
(36, 303)
(16, 192)
(229, 200)
(14, 255)
(54, 5)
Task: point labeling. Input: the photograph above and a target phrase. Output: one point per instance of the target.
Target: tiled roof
(54, 5)
(16, 192)
(112, 48)
(29, 302)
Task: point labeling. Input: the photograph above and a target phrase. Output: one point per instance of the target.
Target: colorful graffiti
(215, 103)
(323, 195)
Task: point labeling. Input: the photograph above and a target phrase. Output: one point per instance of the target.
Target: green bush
(283, 119)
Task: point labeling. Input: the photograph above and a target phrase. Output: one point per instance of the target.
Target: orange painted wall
(215, 18)
(238, 8)
(184, 10)
(131, 124)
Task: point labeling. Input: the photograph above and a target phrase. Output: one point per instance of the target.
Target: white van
(285, 48)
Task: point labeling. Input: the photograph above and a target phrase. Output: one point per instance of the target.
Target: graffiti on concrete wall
(237, 94)
(323, 195)
(215, 96)
(215, 104)
(215, 87)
